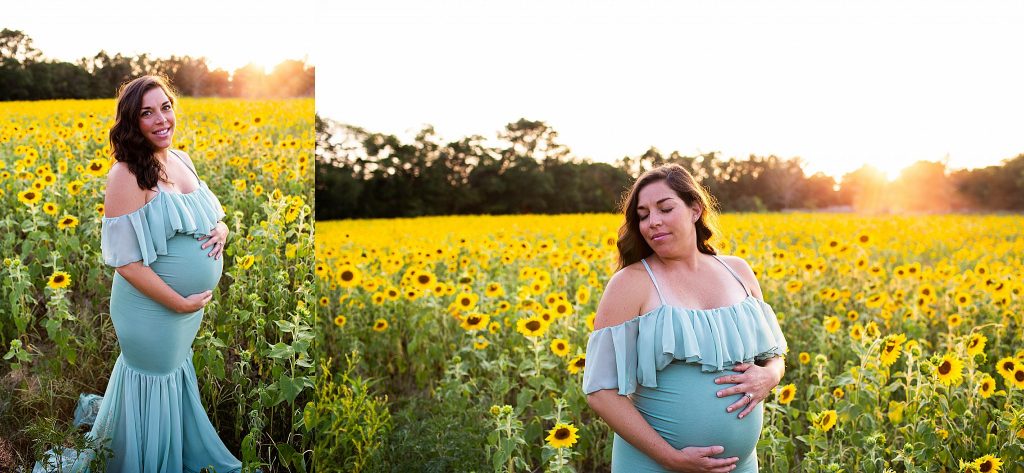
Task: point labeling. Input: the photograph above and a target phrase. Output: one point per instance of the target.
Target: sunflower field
(253, 351)
(458, 343)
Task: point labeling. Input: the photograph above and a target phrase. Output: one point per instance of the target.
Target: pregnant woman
(162, 231)
(672, 319)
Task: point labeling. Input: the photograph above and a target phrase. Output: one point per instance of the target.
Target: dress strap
(734, 275)
(655, 281)
(198, 181)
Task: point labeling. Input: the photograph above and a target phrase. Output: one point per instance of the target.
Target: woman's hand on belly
(699, 460)
(755, 382)
(195, 302)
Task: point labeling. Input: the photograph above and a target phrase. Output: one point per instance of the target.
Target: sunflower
(825, 420)
(787, 393)
(562, 435)
(561, 308)
(480, 343)
(590, 320)
(340, 320)
(1017, 379)
(59, 280)
(97, 167)
(494, 290)
(378, 298)
(962, 299)
(504, 306)
(532, 326)
(794, 286)
(67, 221)
(475, 321)
(950, 370)
(857, 332)
(831, 324)
(29, 197)
(976, 344)
(1005, 366)
(560, 347)
(245, 262)
(380, 325)
(864, 239)
(347, 276)
(987, 386)
(954, 320)
(424, 279)
(892, 346)
(583, 295)
(466, 301)
(988, 464)
(804, 358)
(838, 393)
(494, 327)
(576, 364)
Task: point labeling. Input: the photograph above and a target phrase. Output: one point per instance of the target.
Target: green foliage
(351, 424)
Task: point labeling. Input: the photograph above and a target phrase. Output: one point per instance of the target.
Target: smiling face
(667, 223)
(156, 119)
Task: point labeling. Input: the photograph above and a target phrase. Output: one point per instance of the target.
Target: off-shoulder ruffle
(142, 235)
(633, 352)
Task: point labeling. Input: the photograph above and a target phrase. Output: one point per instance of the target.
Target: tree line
(364, 174)
(25, 74)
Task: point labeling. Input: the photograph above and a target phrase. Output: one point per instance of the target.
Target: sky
(229, 33)
(837, 84)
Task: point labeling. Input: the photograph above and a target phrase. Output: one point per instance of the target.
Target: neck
(688, 260)
(160, 155)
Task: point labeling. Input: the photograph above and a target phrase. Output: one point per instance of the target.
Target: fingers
(741, 367)
(750, 408)
(738, 404)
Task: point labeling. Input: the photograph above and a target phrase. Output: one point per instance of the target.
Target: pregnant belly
(186, 268)
(686, 411)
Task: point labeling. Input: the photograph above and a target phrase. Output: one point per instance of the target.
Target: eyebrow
(165, 103)
(656, 203)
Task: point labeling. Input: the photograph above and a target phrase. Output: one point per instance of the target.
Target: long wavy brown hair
(127, 143)
(631, 244)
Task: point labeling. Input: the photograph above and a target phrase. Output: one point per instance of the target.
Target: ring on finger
(748, 396)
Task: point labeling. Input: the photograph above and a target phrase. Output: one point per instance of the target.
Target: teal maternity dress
(151, 414)
(667, 360)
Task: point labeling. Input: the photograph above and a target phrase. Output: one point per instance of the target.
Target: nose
(158, 117)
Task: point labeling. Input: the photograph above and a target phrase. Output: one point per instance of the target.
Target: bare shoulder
(623, 297)
(185, 155)
(742, 268)
(123, 195)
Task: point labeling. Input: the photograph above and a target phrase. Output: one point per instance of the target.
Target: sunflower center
(473, 320)
(945, 368)
(58, 279)
(464, 301)
(423, 279)
(581, 362)
(532, 325)
(562, 434)
(347, 276)
(1019, 376)
(985, 466)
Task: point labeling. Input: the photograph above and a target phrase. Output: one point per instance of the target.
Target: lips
(164, 132)
(659, 236)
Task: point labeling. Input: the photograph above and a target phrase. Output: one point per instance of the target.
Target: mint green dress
(151, 414)
(667, 361)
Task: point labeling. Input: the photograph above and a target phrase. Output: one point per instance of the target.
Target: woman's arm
(149, 283)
